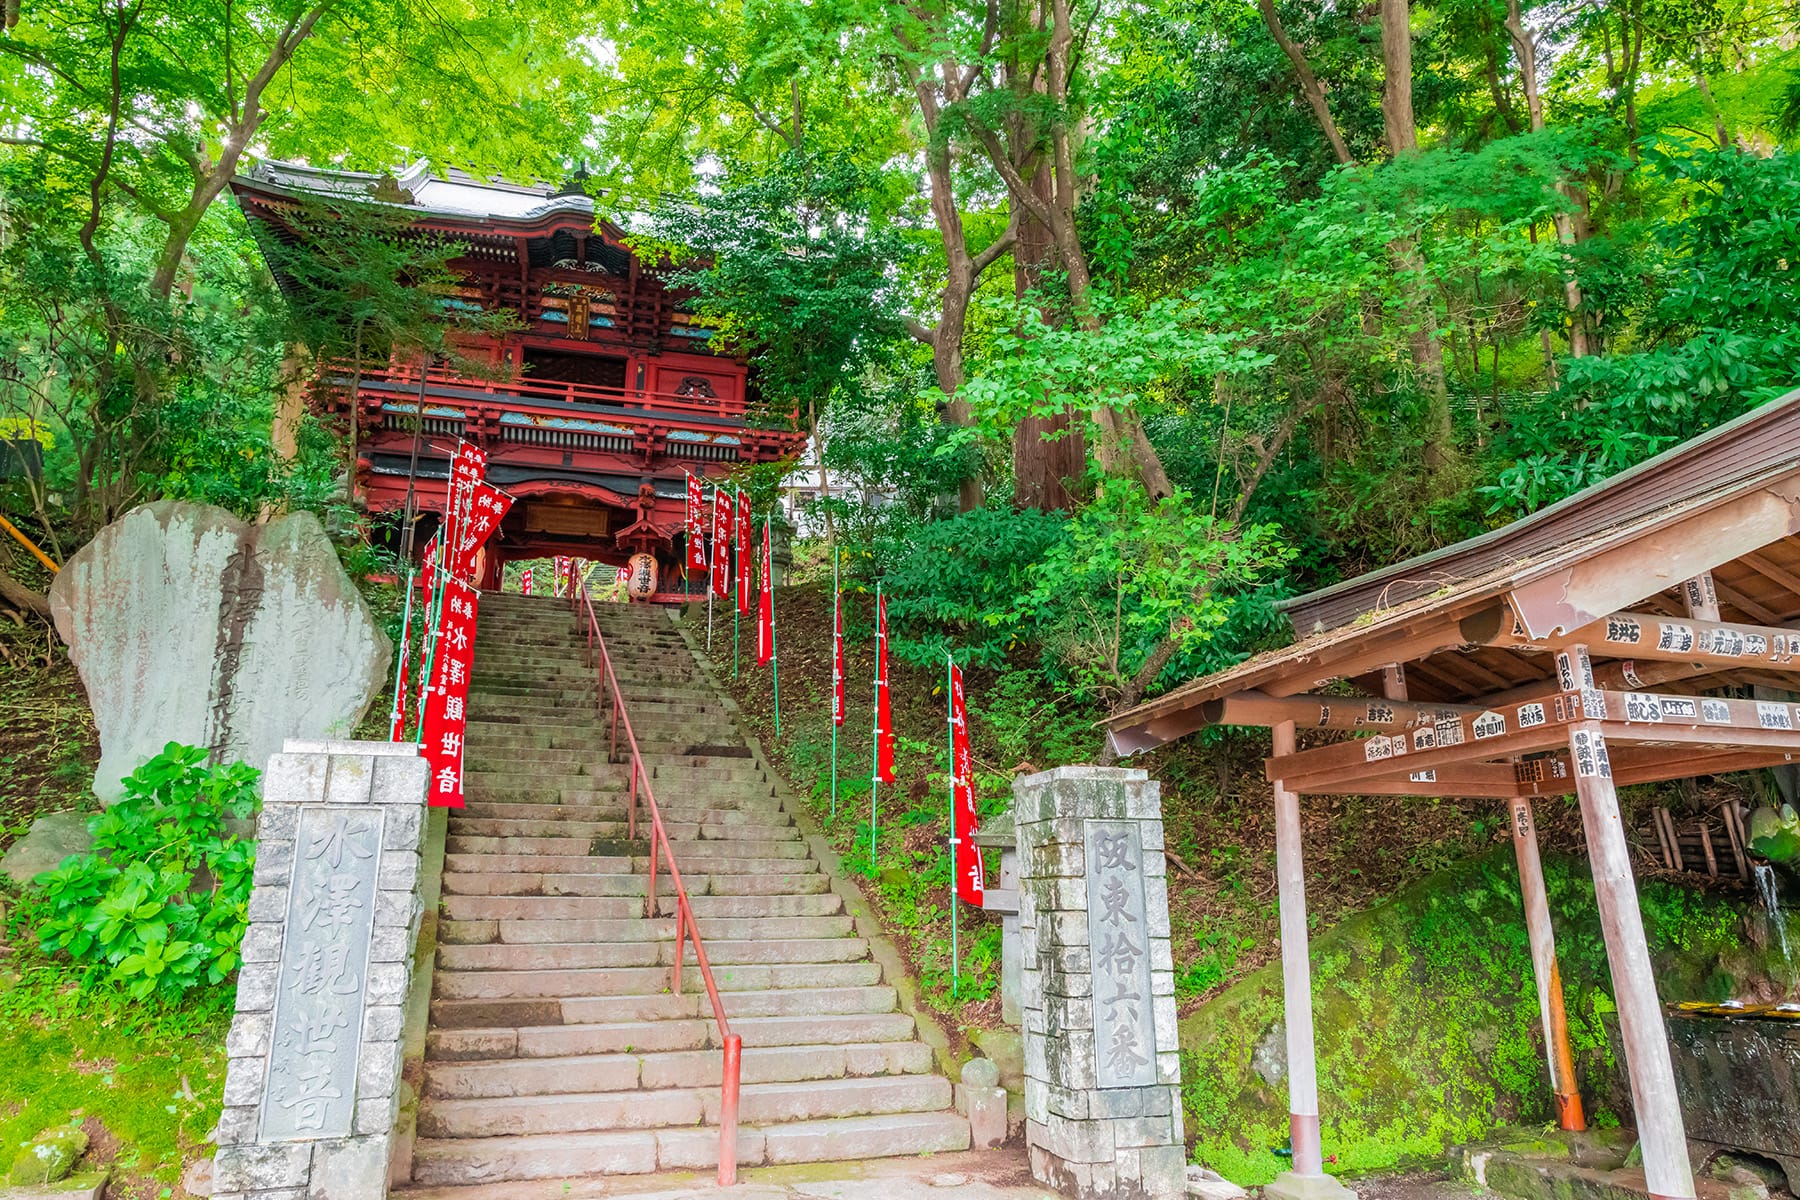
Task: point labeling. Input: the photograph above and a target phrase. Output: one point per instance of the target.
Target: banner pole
(950, 724)
(774, 648)
(875, 739)
(737, 584)
(397, 715)
(837, 684)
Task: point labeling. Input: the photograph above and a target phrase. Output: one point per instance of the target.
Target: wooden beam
(1311, 711)
(1588, 589)
(1440, 631)
(1747, 606)
(1773, 573)
(1655, 638)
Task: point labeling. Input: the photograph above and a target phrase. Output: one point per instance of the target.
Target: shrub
(161, 903)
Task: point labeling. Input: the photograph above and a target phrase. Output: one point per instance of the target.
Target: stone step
(625, 1037)
(656, 1108)
(468, 829)
(619, 974)
(662, 1006)
(505, 883)
(731, 812)
(459, 907)
(443, 1161)
(730, 959)
(636, 929)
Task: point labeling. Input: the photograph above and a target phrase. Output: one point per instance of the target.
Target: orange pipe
(29, 545)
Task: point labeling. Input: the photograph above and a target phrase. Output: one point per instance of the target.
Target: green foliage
(1136, 581)
(161, 903)
(955, 585)
(151, 1071)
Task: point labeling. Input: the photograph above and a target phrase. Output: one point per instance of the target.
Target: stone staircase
(556, 1048)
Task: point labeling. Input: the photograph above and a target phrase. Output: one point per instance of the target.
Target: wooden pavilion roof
(1475, 630)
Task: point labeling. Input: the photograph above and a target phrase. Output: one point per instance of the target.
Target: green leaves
(131, 912)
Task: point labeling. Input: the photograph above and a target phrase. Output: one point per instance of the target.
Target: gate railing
(686, 928)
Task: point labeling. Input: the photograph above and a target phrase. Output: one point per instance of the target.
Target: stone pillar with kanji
(312, 1086)
(1097, 986)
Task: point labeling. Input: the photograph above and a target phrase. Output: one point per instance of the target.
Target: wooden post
(1307, 1178)
(1701, 597)
(1543, 966)
(1661, 1135)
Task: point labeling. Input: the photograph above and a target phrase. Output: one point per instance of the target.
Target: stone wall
(1097, 986)
(313, 1083)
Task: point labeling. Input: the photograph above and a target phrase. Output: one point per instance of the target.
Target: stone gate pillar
(1102, 1065)
(312, 1082)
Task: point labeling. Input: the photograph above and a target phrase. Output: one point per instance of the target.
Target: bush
(162, 902)
(960, 584)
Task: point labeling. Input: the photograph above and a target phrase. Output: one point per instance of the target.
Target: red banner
(837, 659)
(721, 543)
(884, 714)
(447, 696)
(744, 553)
(696, 525)
(481, 517)
(564, 566)
(970, 884)
(765, 608)
(525, 582)
(468, 467)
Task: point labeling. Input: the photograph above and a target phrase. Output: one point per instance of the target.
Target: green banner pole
(950, 723)
(774, 650)
(837, 609)
(737, 587)
(875, 726)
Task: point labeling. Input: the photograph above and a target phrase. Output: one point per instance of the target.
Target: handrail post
(728, 1111)
(681, 910)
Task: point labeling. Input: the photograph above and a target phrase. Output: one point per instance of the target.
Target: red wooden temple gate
(1643, 630)
(606, 397)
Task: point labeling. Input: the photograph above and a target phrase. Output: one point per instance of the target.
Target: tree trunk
(21, 597)
(1049, 453)
(1525, 46)
(1396, 89)
(1309, 83)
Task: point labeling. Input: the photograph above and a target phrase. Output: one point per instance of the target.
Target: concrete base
(1289, 1186)
(82, 1185)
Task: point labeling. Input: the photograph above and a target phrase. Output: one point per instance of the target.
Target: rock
(197, 1180)
(1741, 1179)
(1210, 1185)
(1776, 836)
(1006, 1049)
(949, 1179)
(189, 625)
(1269, 1059)
(48, 1157)
(981, 1073)
(82, 1185)
(53, 837)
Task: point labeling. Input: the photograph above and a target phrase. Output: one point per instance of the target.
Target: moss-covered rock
(48, 1157)
(1776, 835)
(1426, 1019)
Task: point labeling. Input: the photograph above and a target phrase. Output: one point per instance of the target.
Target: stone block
(254, 1168)
(261, 944)
(400, 779)
(377, 1114)
(256, 986)
(1068, 1103)
(1168, 1034)
(1162, 983)
(348, 780)
(292, 779)
(1063, 1014)
(276, 823)
(268, 904)
(1156, 904)
(1168, 1066)
(273, 855)
(378, 1068)
(1162, 1171)
(1139, 1132)
(1079, 1141)
(387, 983)
(390, 944)
(987, 1117)
(1057, 982)
(1144, 801)
(1065, 929)
(1070, 1059)
(394, 908)
(249, 1035)
(404, 826)
(1290, 1186)
(244, 1078)
(383, 1023)
(350, 1169)
(237, 1124)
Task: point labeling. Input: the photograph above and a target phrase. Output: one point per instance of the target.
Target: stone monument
(312, 1085)
(1097, 986)
(190, 625)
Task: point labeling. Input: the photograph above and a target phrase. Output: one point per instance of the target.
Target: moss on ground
(1427, 1022)
(144, 1081)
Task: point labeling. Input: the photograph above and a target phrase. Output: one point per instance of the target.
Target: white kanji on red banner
(971, 884)
(444, 724)
(696, 525)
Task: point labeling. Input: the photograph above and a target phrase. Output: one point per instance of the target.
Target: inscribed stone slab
(1118, 938)
(324, 976)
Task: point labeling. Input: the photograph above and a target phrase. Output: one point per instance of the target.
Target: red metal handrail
(555, 389)
(685, 925)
